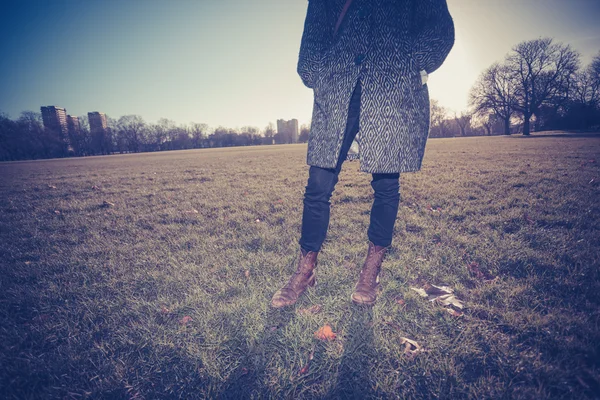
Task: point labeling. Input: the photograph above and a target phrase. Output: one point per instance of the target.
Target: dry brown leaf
(411, 347)
(310, 310)
(449, 300)
(400, 302)
(433, 290)
(185, 320)
(453, 312)
(247, 273)
(440, 294)
(303, 370)
(107, 204)
(325, 333)
(57, 212)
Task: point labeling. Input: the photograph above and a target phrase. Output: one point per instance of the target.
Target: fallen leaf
(165, 310)
(439, 294)
(247, 273)
(430, 208)
(192, 211)
(257, 220)
(421, 259)
(51, 187)
(433, 290)
(273, 328)
(449, 300)
(421, 292)
(107, 204)
(400, 301)
(310, 310)
(56, 212)
(95, 187)
(453, 312)
(185, 320)
(303, 370)
(27, 262)
(592, 181)
(411, 347)
(325, 333)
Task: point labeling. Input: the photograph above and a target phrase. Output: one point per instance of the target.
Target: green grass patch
(150, 276)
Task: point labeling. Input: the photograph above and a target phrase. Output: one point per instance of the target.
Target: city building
(97, 122)
(55, 120)
(101, 138)
(287, 131)
(73, 126)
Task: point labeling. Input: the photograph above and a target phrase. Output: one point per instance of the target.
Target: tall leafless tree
(540, 70)
(464, 122)
(439, 119)
(493, 92)
(133, 130)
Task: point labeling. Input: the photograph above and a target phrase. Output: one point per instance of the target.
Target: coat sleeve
(434, 34)
(314, 42)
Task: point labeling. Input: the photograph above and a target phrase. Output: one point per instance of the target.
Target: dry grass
(150, 275)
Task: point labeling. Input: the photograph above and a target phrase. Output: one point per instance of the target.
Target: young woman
(367, 62)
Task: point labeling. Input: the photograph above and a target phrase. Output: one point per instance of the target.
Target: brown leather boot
(366, 289)
(299, 281)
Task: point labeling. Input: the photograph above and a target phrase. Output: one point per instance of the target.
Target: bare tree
(269, 133)
(133, 130)
(199, 133)
(540, 70)
(494, 93)
(439, 119)
(463, 122)
(304, 132)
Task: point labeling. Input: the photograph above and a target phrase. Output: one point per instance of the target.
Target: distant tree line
(26, 137)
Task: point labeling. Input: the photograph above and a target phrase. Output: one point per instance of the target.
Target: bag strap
(342, 15)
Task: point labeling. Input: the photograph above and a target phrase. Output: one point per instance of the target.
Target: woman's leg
(321, 183)
(384, 209)
(315, 217)
(381, 229)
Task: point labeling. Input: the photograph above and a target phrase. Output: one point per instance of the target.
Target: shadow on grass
(254, 355)
(353, 378)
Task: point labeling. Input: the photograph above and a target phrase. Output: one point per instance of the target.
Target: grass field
(150, 276)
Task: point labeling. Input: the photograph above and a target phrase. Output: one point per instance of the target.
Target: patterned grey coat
(385, 43)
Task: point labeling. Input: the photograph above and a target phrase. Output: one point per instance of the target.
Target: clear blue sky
(229, 62)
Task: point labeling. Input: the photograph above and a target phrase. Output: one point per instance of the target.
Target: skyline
(230, 63)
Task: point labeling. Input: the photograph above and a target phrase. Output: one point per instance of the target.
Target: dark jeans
(321, 182)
